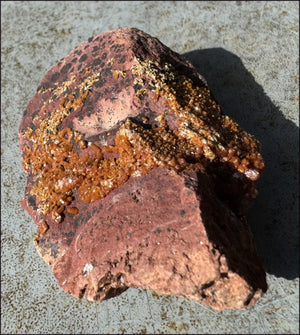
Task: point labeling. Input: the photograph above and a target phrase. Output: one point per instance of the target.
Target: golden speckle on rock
(118, 73)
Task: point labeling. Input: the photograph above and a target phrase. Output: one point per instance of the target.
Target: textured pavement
(249, 54)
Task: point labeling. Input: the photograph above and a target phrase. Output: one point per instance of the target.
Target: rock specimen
(137, 179)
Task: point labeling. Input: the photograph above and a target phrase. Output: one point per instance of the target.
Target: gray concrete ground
(248, 52)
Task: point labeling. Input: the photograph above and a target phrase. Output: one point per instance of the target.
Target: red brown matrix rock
(136, 178)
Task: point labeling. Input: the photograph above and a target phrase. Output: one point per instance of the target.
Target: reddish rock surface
(137, 179)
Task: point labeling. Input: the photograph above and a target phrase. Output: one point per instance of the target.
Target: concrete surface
(248, 52)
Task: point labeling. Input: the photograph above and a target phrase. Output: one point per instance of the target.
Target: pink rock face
(137, 179)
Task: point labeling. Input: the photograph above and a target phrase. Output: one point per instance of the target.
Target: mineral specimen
(136, 178)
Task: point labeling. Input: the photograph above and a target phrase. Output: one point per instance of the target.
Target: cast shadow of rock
(274, 217)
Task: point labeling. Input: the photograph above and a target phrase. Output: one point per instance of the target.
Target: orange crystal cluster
(61, 163)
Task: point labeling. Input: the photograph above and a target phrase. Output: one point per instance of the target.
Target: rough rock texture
(137, 179)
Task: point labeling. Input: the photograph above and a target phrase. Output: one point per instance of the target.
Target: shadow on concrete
(274, 217)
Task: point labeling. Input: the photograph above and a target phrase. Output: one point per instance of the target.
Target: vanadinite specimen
(137, 179)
